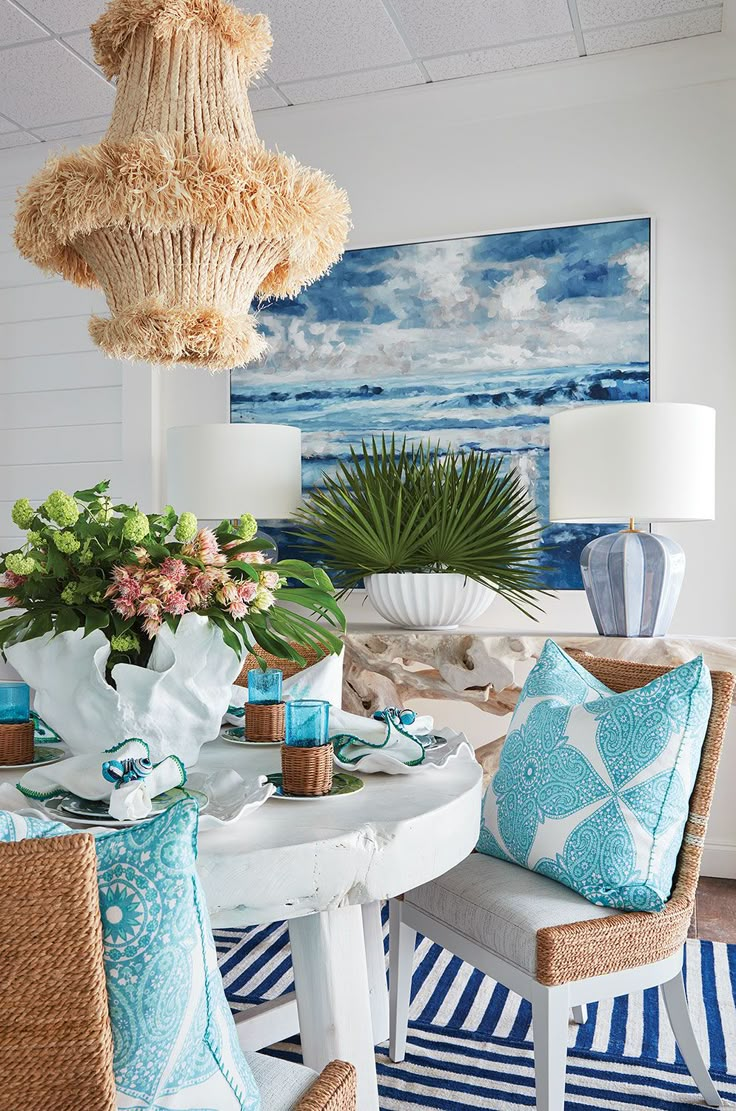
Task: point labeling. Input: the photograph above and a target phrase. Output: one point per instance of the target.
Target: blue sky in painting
(473, 341)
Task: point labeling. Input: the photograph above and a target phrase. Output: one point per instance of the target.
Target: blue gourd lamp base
(632, 580)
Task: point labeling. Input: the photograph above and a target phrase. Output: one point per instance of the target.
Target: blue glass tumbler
(15, 702)
(264, 687)
(307, 723)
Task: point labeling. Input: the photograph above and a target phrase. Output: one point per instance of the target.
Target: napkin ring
(265, 722)
(16, 742)
(306, 771)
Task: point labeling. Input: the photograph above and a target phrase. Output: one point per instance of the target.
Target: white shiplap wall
(68, 415)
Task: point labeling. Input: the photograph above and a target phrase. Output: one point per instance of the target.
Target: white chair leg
(400, 962)
(549, 1027)
(580, 1015)
(675, 1001)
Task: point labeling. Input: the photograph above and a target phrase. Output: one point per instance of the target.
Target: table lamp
(220, 471)
(632, 462)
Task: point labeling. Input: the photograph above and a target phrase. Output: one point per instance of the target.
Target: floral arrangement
(87, 563)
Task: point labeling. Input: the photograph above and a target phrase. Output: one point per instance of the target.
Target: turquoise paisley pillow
(175, 1043)
(593, 787)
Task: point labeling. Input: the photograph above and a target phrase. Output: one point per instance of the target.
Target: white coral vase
(428, 601)
(176, 703)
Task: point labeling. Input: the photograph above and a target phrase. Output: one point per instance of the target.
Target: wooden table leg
(376, 961)
(333, 996)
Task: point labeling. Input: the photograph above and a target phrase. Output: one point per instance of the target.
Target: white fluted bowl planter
(428, 601)
(175, 704)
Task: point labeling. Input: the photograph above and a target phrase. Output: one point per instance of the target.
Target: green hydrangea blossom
(136, 528)
(66, 542)
(22, 513)
(69, 594)
(247, 527)
(34, 537)
(86, 556)
(20, 564)
(186, 528)
(62, 508)
(125, 642)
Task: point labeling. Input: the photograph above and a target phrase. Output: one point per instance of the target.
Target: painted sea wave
(502, 412)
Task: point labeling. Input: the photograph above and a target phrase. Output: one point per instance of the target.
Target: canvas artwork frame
(411, 338)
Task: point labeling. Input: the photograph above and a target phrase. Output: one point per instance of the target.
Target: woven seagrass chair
(56, 1050)
(55, 1035)
(288, 667)
(551, 946)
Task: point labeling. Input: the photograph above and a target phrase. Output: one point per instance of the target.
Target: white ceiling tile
(16, 139)
(7, 125)
(265, 97)
(82, 43)
(93, 126)
(651, 31)
(70, 90)
(557, 49)
(439, 26)
(316, 38)
(609, 13)
(66, 15)
(16, 26)
(350, 84)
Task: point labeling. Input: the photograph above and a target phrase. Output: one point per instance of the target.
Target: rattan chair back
(289, 667)
(56, 1051)
(634, 939)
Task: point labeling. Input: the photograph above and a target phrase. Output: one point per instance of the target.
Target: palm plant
(425, 509)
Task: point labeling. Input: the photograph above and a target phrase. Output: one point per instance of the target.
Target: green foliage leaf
(427, 508)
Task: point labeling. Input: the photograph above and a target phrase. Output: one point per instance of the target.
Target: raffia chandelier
(180, 215)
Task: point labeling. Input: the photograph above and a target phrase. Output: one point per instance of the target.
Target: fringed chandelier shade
(180, 215)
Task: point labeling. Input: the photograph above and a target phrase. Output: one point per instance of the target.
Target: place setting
(21, 730)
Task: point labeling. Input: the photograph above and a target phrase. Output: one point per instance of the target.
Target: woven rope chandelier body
(180, 215)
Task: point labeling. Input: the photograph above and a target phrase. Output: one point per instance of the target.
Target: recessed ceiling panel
(43, 83)
(314, 38)
(440, 27)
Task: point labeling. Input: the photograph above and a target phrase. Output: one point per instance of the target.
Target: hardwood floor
(715, 910)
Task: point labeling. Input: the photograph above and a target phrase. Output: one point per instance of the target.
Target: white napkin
(355, 737)
(82, 775)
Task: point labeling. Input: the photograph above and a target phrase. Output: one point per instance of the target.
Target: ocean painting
(473, 342)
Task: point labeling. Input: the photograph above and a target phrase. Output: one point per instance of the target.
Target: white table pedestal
(333, 996)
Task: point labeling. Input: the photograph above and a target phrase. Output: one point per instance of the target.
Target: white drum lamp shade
(645, 461)
(220, 471)
(654, 461)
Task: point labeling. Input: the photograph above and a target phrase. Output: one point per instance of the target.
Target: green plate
(77, 807)
(41, 755)
(342, 784)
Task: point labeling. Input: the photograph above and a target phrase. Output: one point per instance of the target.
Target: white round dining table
(325, 866)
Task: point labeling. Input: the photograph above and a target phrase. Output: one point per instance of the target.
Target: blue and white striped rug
(470, 1038)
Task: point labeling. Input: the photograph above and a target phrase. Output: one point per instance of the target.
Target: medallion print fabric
(175, 1042)
(592, 788)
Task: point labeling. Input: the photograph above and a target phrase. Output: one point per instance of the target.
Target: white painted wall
(646, 131)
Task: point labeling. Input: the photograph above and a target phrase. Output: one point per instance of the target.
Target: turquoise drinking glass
(264, 687)
(307, 723)
(15, 702)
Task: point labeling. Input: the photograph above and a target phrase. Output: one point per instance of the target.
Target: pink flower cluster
(151, 592)
(10, 579)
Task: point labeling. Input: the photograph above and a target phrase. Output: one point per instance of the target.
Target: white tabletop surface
(291, 858)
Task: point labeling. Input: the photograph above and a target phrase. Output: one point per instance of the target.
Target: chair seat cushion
(501, 906)
(281, 1083)
(593, 786)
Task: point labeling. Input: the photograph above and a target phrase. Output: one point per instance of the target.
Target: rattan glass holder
(307, 771)
(16, 742)
(264, 722)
